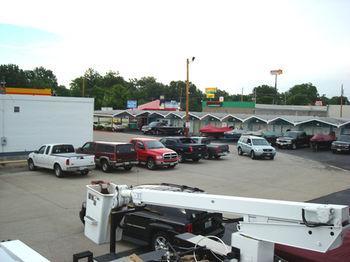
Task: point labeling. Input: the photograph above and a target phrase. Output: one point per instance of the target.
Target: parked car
(186, 148)
(271, 136)
(61, 158)
(157, 226)
(153, 153)
(234, 134)
(293, 140)
(342, 144)
(255, 147)
(159, 127)
(110, 155)
(213, 149)
(321, 141)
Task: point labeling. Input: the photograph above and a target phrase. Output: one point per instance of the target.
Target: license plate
(171, 164)
(207, 224)
(81, 168)
(127, 163)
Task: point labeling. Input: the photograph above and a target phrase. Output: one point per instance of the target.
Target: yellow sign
(210, 95)
(210, 90)
(28, 91)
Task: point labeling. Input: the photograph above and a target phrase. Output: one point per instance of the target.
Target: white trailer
(27, 122)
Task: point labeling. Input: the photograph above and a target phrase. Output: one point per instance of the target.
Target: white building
(27, 121)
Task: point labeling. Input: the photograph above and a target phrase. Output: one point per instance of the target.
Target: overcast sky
(236, 43)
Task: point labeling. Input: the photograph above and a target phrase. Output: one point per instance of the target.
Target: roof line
(281, 118)
(318, 120)
(254, 116)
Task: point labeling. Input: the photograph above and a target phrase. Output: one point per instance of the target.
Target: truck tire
(294, 146)
(31, 165)
(181, 158)
(240, 152)
(84, 172)
(58, 170)
(127, 168)
(252, 154)
(160, 241)
(150, 163)
(105, 166)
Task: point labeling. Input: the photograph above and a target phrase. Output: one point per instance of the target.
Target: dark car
(110, 155)
(157, 226)
(213, 149)
(234, 135)
(342, 144)
(185, 147)
(293, 140)
(271, 136)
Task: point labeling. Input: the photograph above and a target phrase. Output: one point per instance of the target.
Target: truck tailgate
(78, 160)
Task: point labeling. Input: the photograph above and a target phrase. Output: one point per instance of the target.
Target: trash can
(98, 208)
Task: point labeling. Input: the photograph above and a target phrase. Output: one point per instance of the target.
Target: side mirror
(36, 152)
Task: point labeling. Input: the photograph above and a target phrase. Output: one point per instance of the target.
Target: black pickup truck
(185, 147)
(161, 128)
(213, 149)
(293, 140)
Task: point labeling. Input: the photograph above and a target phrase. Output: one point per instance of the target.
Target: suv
(157, 226)
(293, 140)
(153, 153)
(342, 144)
(255, 147)
(186, 147)
(110, 155)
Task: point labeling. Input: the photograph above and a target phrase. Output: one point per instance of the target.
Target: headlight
(159, 157)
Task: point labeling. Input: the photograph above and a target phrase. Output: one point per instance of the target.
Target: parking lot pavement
(42, 210)
(325, 156)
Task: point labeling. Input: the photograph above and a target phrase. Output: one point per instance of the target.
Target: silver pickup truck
(61, 158)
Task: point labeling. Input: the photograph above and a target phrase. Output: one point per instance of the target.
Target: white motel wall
(27, 121)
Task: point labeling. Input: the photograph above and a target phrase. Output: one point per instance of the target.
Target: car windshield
(187, 141)
(153, 124)
(292, 134)
(345, 138)
(154, 144)
(260, 142)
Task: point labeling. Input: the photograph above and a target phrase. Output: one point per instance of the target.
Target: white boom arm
(317, 227)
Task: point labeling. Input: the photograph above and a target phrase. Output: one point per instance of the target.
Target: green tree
(13, 76)
(303, 94)
(335, 100)
(41, 77)
(265, 94)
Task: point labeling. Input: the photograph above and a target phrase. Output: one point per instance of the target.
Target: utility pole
(341, 100)
(187, 125)
(276, 73)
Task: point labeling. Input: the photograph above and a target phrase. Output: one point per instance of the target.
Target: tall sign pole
(341, 100)
(276, 73)
(187, 124)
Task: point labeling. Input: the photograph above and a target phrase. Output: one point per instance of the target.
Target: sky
(236, 43)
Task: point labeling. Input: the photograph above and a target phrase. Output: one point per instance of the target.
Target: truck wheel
(181, 158)
(252, 155)
(240, 152)
(31, 165)
(160, 241)
(150, 163)
(127, 168)
(84, 172)
(294, 146)
(105, 166)
(58, 170)
(195, 159)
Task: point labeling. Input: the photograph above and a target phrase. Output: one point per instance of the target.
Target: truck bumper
(80, 168)
(163, 163)
(127, 163)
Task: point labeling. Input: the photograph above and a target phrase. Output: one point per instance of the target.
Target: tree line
(112, 90)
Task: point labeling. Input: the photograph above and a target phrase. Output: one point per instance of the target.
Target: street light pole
(187, 125)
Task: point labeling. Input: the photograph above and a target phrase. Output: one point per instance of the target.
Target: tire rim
(104, 166)
(252, 155)
(57, 171)
(150, 164)
(160, 243)
(239, 151)
(31, 165)
(294, 146)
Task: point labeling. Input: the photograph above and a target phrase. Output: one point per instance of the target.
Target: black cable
(308, 224)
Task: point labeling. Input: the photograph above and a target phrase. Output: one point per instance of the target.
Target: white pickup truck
(61, 158)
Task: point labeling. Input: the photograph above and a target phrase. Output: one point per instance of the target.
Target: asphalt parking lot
(42, 210)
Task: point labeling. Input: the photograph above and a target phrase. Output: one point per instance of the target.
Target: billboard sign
(171, 104)
(210, 90)
(131, 104)
(276, 72)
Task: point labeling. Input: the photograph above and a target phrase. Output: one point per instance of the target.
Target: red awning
(208, 129)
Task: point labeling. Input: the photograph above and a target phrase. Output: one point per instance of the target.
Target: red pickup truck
(154, 154)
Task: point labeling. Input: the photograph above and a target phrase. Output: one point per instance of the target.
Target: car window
(187, 140)
(153, 124)
(292, 134)
(140, 145)
(206, 141)
(87, 146)
(58, 149)
(154, 144)
(47, 150)
(41, 150)
(260, 142)
(249, 141)
(345, 138)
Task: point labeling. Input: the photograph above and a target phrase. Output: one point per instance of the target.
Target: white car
(61, 158)
(255, 147)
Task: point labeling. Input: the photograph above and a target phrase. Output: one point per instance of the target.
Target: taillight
(189, 228)
(67, 162)
(190, 149)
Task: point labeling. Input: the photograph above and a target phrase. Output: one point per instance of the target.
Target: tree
(265, 94)
(13, 76)
(41, 78)
(303, 94)
(335, 100)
